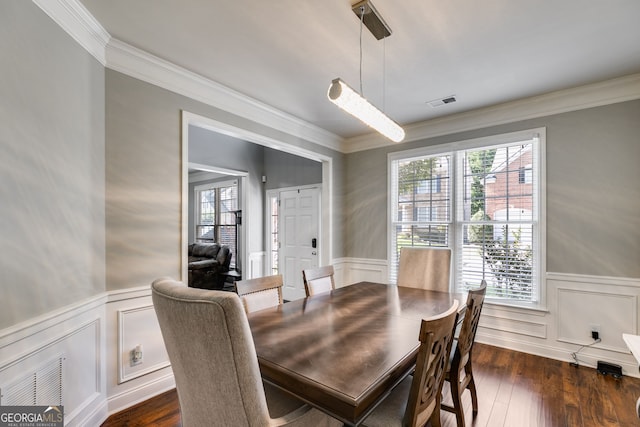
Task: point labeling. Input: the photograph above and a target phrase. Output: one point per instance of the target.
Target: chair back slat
(260, 293)
(436, 335)
(318, 280)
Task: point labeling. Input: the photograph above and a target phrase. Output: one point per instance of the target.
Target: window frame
(456, 223)
(216, 185)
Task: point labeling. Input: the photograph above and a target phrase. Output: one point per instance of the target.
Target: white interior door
(299, 234)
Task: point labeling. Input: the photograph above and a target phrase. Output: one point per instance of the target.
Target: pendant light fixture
(353, 102)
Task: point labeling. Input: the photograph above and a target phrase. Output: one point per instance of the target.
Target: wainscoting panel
(353, 270)
(134, 325)
(58, 359)
(131, 321)
(256, 265)
(514, 326)
(613, 310)
(610, 314)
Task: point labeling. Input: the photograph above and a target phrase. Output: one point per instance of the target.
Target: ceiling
(286, 52)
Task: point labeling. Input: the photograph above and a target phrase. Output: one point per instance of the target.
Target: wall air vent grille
(41, 387)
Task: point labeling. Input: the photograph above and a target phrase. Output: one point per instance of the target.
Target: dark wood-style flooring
(514, 390)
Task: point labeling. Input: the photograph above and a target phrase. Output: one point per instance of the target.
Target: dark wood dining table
(343, 351)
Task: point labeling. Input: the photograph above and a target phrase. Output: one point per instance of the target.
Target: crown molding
(76, 21)
(141, 65)
(578, 98)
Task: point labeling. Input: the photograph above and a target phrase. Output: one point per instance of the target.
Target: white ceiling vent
(446, 100)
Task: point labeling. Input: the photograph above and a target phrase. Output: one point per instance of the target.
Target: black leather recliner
(206, 263)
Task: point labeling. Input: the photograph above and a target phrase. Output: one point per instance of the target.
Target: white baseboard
(140, 393)
(94, 415)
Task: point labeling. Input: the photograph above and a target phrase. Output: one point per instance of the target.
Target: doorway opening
(253, 241)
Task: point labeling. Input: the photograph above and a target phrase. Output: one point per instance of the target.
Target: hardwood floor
(514, 390)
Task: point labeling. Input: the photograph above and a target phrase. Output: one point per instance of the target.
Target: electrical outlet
(595, 332)
(135, 355)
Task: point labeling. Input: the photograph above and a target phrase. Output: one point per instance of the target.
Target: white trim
(129, 293)
(123, 376)
(599, 280)
(76, 21)
(37, 324)
(539, 329)
(211, 169)
(157, 71)
(145, 391)
(268, 195)
(578, 98)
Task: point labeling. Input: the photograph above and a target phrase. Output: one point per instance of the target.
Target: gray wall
(52, 166)
(143, 173)
(286, 170)
(593, 191)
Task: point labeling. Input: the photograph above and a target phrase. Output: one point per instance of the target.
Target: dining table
(343, 351)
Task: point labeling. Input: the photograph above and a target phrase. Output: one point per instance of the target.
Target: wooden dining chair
(260, 293)
(416, 400)
(425, 268)
(317, 280)
(215, 365)
(459, 373)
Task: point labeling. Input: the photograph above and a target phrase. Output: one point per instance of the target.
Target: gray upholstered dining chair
(425, 268)
(260, 293)
(416, 400)
(459, 372)
(317, 280)
(215, 365)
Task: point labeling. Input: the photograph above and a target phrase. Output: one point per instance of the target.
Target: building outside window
(486, 207)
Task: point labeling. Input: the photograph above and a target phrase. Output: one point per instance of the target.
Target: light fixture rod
(350, 101)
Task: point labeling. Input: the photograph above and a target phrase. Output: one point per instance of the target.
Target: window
(485, 206)
(273, 228)
(525, 175)
(431, 185)
(216, 210)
